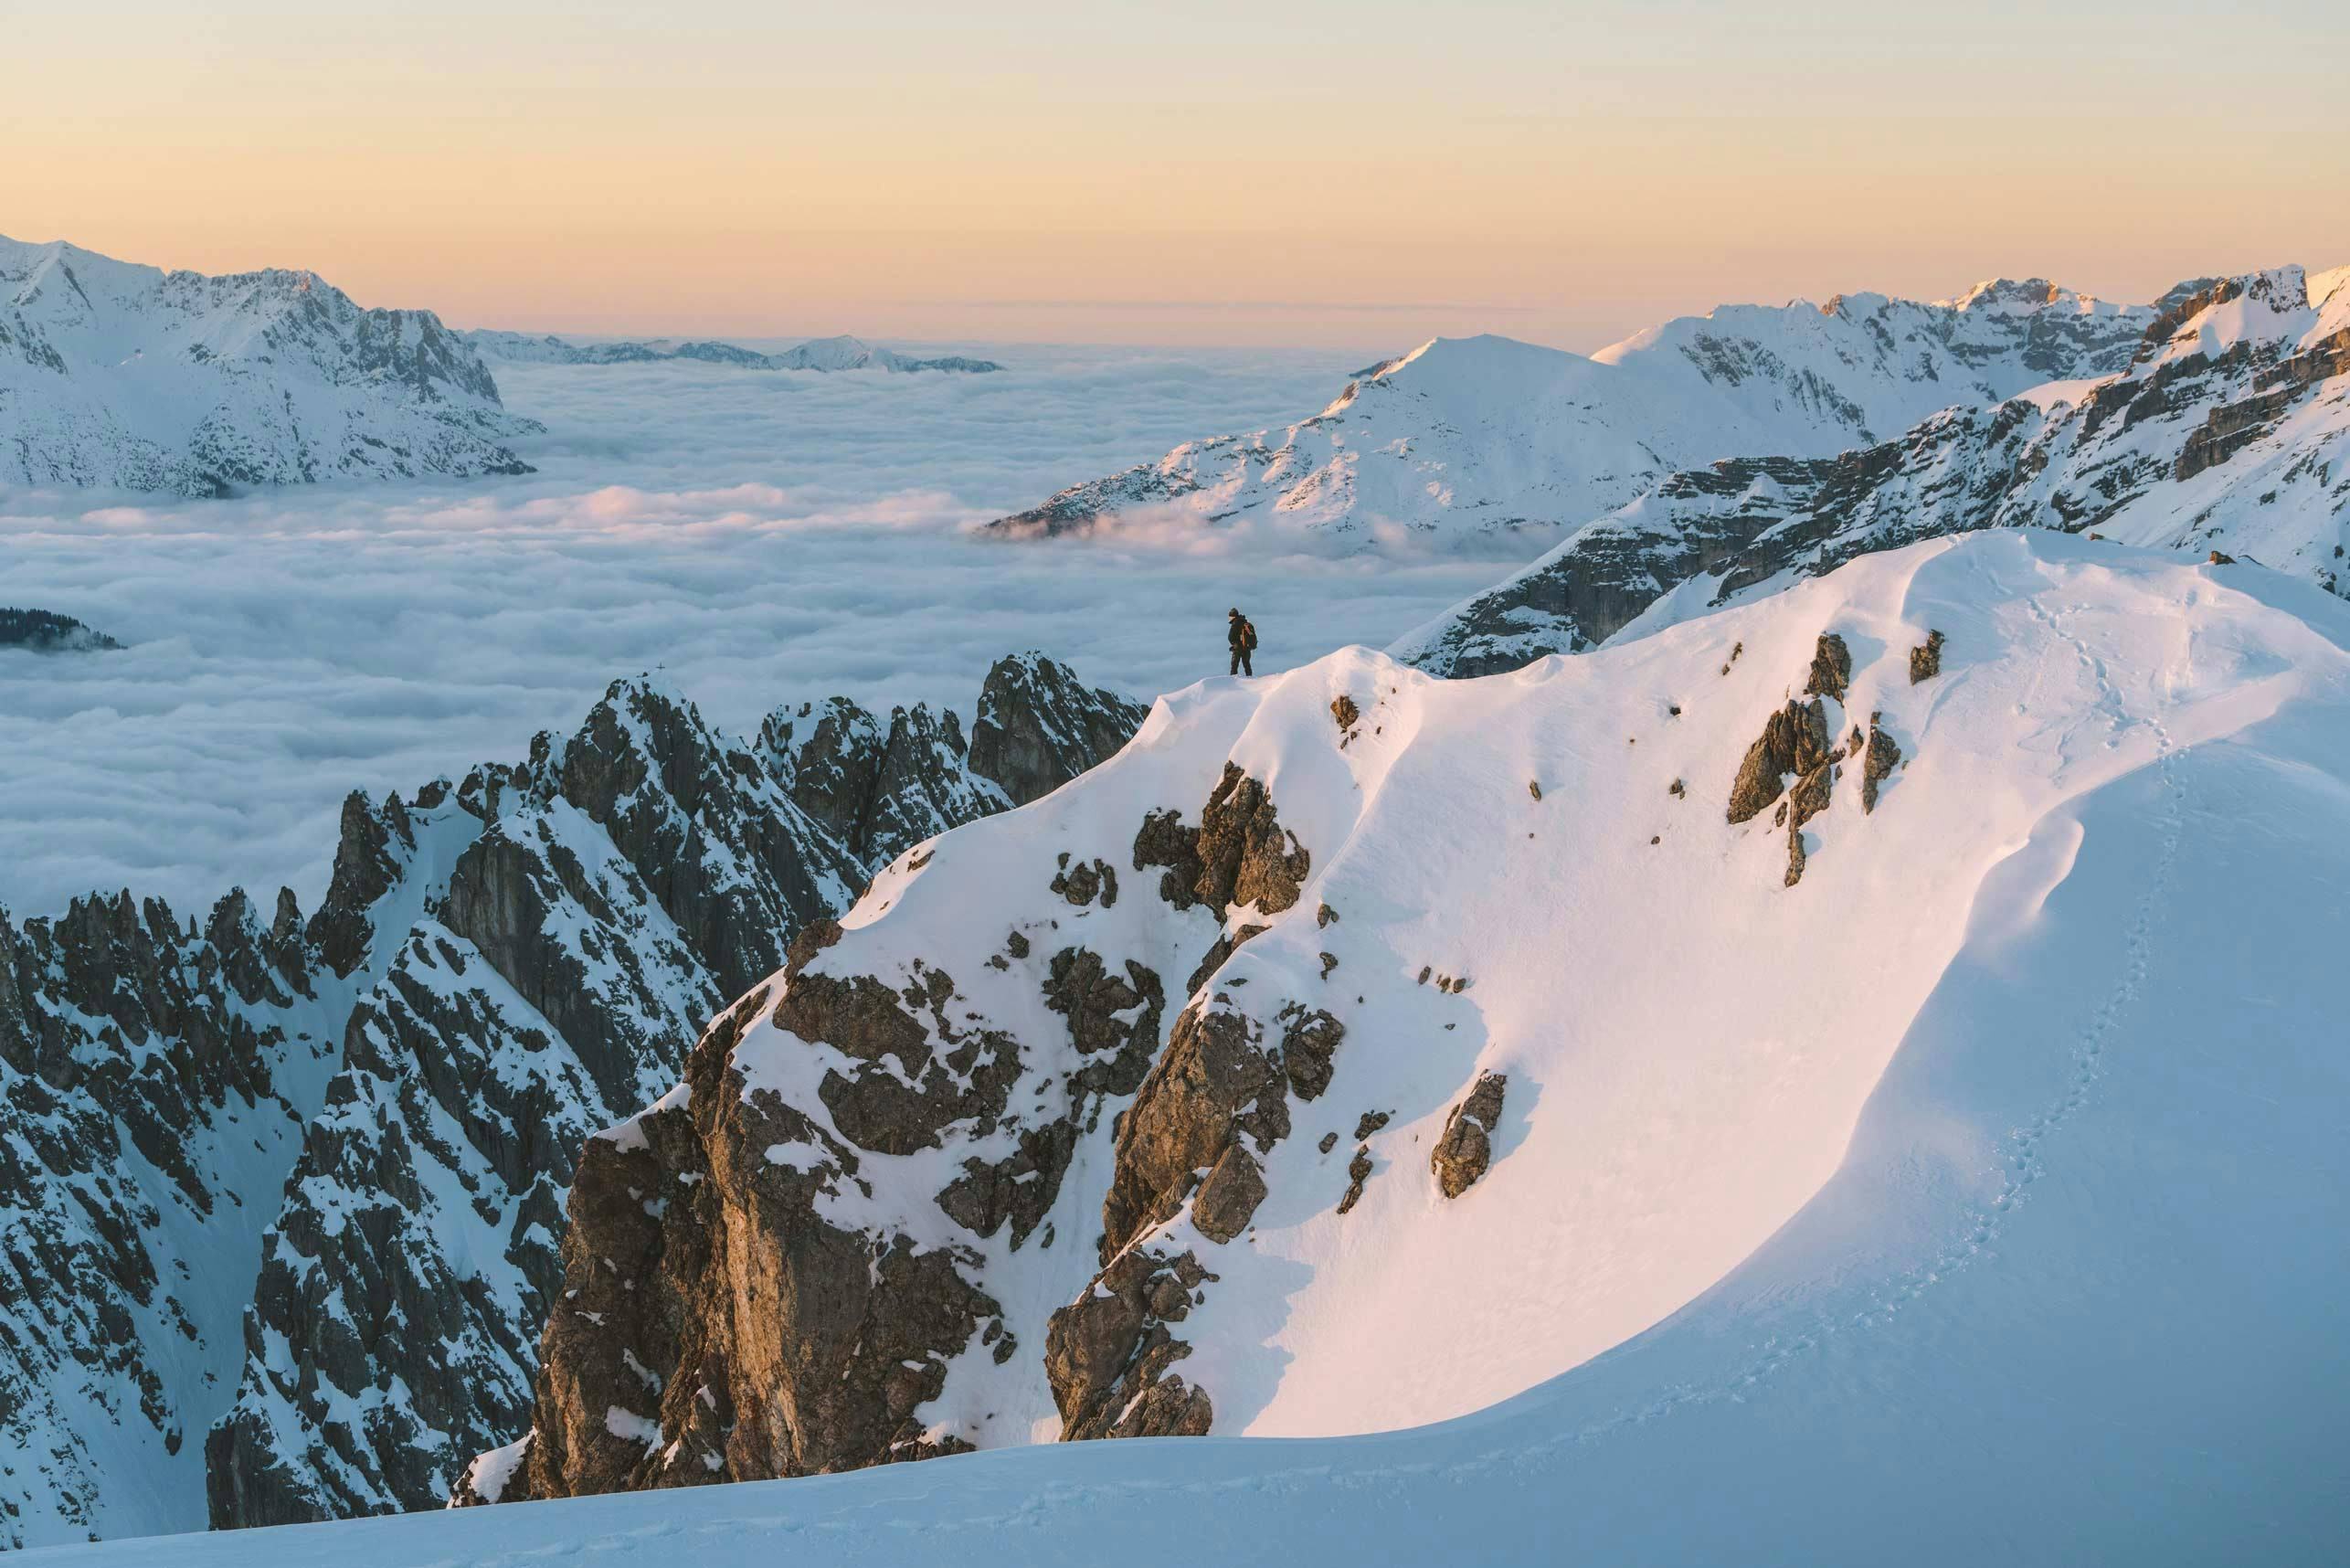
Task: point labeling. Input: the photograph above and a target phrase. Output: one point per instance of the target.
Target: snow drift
(1882, 1172)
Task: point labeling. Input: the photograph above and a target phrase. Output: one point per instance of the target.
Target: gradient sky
(1361, 173)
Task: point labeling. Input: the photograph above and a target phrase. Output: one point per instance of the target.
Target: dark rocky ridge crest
(499, 967)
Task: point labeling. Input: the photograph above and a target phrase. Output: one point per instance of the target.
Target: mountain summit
(118, 374)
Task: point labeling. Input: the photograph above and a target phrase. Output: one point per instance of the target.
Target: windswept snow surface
(1976, 1200)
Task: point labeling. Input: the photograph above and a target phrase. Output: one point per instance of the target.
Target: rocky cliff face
(852, 1196)
(113, 373)
(330, 1158)
(2230, 423)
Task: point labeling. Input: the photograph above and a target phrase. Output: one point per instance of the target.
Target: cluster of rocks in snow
(118, 374)
(284, 1197)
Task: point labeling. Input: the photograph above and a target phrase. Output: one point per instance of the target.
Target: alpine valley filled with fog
(617, 943)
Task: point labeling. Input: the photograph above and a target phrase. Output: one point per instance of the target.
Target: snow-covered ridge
(2229, 429)
(1485, 436)
(119, 375)
(823, 354)
(1358, 1050)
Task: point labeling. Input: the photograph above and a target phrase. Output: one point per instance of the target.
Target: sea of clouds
(757, 538)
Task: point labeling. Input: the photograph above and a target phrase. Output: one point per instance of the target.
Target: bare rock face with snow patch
(1466, 1150)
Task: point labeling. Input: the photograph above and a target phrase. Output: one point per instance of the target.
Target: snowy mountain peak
(121, 374)
(1485, 437)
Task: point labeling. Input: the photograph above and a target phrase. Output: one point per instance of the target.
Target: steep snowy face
(1487, 436)
(284, 1199)
(826, 354)
(1357, 1049)
(113, 374)
(2229, 429)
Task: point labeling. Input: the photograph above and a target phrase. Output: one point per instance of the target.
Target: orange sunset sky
(1360, 174)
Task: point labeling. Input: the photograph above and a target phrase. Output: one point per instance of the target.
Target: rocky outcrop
(1110, 1355)
(1465, 1150)
(1925, 659)
(1039, 726)
(1795, 741)
(1831, 669)
(1877, 765)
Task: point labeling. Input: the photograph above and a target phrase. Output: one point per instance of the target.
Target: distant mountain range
(825, 354)
(118, 374)
(1486, 436)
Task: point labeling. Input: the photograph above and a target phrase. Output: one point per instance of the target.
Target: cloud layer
(758, 537)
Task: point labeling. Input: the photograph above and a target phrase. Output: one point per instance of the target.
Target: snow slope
(823, 354)
(1486, 436)
(2228, 429)
(1971, 1200)
(119, 375)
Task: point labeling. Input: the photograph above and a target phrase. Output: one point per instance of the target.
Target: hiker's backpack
(1248, 634)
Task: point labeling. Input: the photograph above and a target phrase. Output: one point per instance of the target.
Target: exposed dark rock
(1039, 726)
(1245, 856)
(1794, 741)
(1925, 660)
(1086, 881)
(1466, 1149)
(1109, 1353)
(1164, 840)
(1831, 669)
(368, 857)
(1343, 709)
(1370, 1122)
(1358, 1171)
(1214, 1084)
(1882, 756)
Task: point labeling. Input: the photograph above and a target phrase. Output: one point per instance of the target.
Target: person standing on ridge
(1243, 638)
